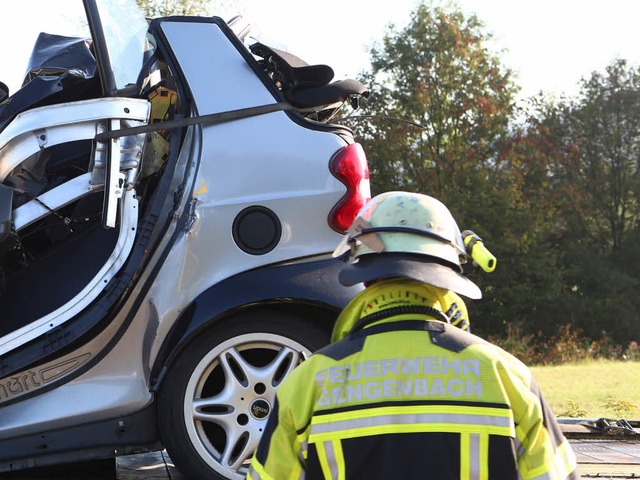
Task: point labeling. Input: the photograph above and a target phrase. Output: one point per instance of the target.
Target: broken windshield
(125, 36)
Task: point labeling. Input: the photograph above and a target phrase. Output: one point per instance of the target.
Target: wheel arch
(309, 288)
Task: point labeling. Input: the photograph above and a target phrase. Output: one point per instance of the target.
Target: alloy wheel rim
(230, 394)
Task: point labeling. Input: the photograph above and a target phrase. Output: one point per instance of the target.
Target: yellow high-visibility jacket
(412, 397)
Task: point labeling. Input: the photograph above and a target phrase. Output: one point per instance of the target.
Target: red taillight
(349, 165)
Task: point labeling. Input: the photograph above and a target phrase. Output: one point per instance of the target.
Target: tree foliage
(436, 72)
(600, 131)
(165, 8)
(596, 174)
(556, 196)
(576, 166)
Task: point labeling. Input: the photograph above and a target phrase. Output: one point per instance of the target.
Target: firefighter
(400, 392)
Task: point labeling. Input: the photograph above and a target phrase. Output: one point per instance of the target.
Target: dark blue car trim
(312, 283)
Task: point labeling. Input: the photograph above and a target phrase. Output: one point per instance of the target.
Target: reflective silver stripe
(544, 476)
(253, 474)
(474, 456)
(302, 458)
(302, 453)
(520, 451)
(330, 454)
(409, 419)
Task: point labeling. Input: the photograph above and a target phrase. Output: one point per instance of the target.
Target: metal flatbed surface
(605, 448)
(608, 458)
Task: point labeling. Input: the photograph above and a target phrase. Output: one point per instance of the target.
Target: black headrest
(291, 71)
(339, 91)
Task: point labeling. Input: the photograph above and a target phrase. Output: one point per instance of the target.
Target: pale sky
(550, 44)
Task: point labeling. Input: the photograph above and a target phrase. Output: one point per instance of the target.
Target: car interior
(60, 226)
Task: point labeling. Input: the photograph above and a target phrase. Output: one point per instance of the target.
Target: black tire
(216, 396)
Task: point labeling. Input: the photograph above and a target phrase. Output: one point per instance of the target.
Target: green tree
(439, 73)
(165, 8)
(595, 173)
(519, 212)
(602, 127)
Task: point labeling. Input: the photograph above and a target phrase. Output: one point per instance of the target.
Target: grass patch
(592, 388)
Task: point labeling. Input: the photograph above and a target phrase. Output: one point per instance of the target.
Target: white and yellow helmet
(403, 234)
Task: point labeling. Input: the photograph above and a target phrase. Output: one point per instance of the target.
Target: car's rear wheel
(217, 395)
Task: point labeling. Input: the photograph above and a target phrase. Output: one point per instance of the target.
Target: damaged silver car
(171, 191)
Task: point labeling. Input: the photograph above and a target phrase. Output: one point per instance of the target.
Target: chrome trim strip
(55, 199)
(43, 127)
